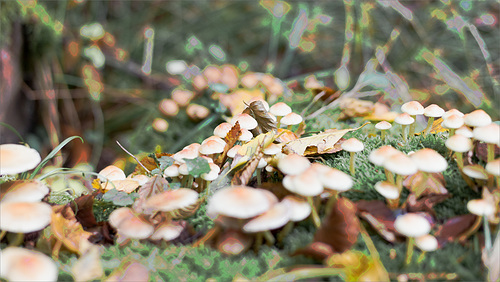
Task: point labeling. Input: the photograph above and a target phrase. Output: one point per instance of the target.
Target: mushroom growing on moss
(432, 111)
(383, 126)
(411, 225)
(413, 108)
(352, 146)
(404, 119)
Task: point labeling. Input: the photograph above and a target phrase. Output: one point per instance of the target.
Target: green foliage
(120, 198)
(197, 166)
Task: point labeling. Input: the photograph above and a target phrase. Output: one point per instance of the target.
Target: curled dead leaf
(265, 122)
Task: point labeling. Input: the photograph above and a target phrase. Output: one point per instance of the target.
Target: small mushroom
(160, 125)
(489, 134)
(352, 146)
(19, 264)
(291, 119)
(293, 164)
(280, 110)
(25, 191)
(383, 126)
(401, 165)
(378, 157)
(477, 118)
(452, 112)
(411, 225)
(427, 243)
(427, 161)
(493, 168)
(459, 144)
(483, 208)
(404, 119)
(182, 97)
(390, 191)
(197, 112)
(15, 158)
(432, 111)
(413, 108)
(453, 122)
(222, 129)
(168, 107)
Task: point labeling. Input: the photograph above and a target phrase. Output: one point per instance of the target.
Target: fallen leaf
(66, 229)
(83, 208)
(340, 228)
(231, 138)
(285, 135)
(265, 122)
(242, 177)
(316, 250)
(456, 227)
(318, 143)
(155, 185)
(358, 267)
(379, 216)
(436, 127)
(197, 166)
(425, 203)
(147, 162)
(88, 267)
(435, 183)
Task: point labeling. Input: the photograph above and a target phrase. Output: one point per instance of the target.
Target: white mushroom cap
(475, 171)
(465, 131)
(300, 209)
(352, 145)
(412, 225)
(453, 122)
(232, 152)
(404, 119)
(212, 138)
(477, 118)
(26, 191)
(291, 119)
(387, 189)
(238, 201)
(488, 134)
(262, 163)
(481, 207)
(19, 264)
(15, 158)
(245, 120)
(412, 108)
(140, 178)
(272, 149)
(246, 135)
(459, 143)
(378, 156)
(433, 110)
(452, 112)
(306, 184)
(222, 129)
(183, 169)
(172, 171)
(293, 164)
(169, 231)
(212, 174)
(24, 217)
(337, 180)
(400, 164)
(135, 228)
(428, 160)
(172, 200)
(277, 216)
(111, 173)
(426, 243)
(119, 215)
(176, 67)
(211, 147)
(493, 167)
(383, 125)
(280, 109)
(186, 153)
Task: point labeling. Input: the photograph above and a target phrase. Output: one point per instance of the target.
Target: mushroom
(453, 122)
(489, 134)
(452, 112)
(412, 108)
(477, 172)
(23, 217)
(459, 144)
(25, 191)
(212, 148)
(197, 112)
(390, 191)
(222, 129)
(404, 119)
(465, 131)
(432, 111)
(291, 119)
(483, 208)
(212, 74)
(293, 164)
(411, 225)
(238, 202)
(427, 243)
(279, 110)
(230, 76)
(169, 230)
(493, 168)
(171, 200)
(246, 121)
(427, 161)
(111, 173)
(299, 210)
(477, 118)
(182, 97)
(15, 158)
(233, 242)
(209, 177)
(336, 181)
(199, 82)
(175, 67)
(352, 146)
(383, 126)
(401, 165)
(250, 80)
(19, 264)
(168, 107)
(378, 156)
(160, 125)
(246, 135)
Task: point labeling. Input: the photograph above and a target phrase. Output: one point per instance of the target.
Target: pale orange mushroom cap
(433, 110)
(477, 118)
(19, 264)
(24, 217)
(291, 119)
(300, 209)
(307, 183)
(459, 143)
(238, 201)
(135, 228)
(211, 147)
(168, 107)
(222, 129)
(412, 225)
(280, 109)
(111, 173)
(387, 189)
(26, 191)
(15, 158)
(172, 200)
(488, 134)
(378, 156)
(428, 160)
(352, 145)
(245, 120)
(493, 167)
(452, 112)
(413, 108)
(383, 125)
(400, 164)
(169, 231)
(453, 122)
(404, 119)
(293, 164)
(276, 217)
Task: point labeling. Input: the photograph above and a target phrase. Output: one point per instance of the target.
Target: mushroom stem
(421, 257)
(405, 135)
(18, 240)
(409, 250)
(288, 227)
(214, 231)
(412, 127)
(452, 132)
(460, 160)
(487, 234)
(314, 212)
(421, 186)
(259, 177)
(351, 163)
(427, 130)
(258, 242)
(55, 250)
(399, 182)
(269, 238)
(278, 120)
(289, 127)
(331, 201)
(389, 175)
(393, 203)
(382, 135)
(491, 152)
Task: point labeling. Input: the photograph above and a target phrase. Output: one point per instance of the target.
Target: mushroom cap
(272, 149)
(119, 215)
(493, 167)
(337, 180)
(383, 125)
(182, 97)
(246, 135)
(25, 191)
(238, 201)
(453, 122)
(404, 119)
(231, 153)
(481, 207)
(262, 163)
(352, 145)
(293, 164)
(413, 108)
(183, 169)
(15, 158)
(459, 143)
(24, 217)
(140, 178)
(172, 200)
(299, 208)
(291, 119)
(387, 189)
(135, 228)
(277, 216)
(172, 171)
(427, 243)
(412, 225)
(211, 147)
(280, 109)
(111, 173)
(169, 231)
(488, 134)
(306, 184)
(19, 264)
(433, 110)
(428, 160)
(175, 67)
(378, 156)
(168, 107)
(197, 112)
(213, 138)
(245, 120)
(186, 153)
(400, 164)
(475, 171)
(464, 130)
(250, 80)
(452, 112)
(222, 129)
(477, 118)
(212, 174)
(212, 73)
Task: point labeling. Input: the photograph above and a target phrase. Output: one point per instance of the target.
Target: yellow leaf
(317, 144)
(67, 229)
(436, 127)
(127, 185)
(358, 266)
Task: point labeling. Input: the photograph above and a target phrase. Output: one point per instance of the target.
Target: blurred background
(108, 70)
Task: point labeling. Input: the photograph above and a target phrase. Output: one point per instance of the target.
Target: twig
(135, 158)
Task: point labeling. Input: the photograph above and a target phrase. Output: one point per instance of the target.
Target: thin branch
(135, 158)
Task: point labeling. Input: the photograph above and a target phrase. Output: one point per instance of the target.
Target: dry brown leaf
(379, 216)
(481, 150)
(316, 250)
(242, 177)
(264, 121)
(340, 228)
(435, 183)
(456, 227)
(230, 139)
(317, 144)
(66, 229)
(425, 203)
(155, 185)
